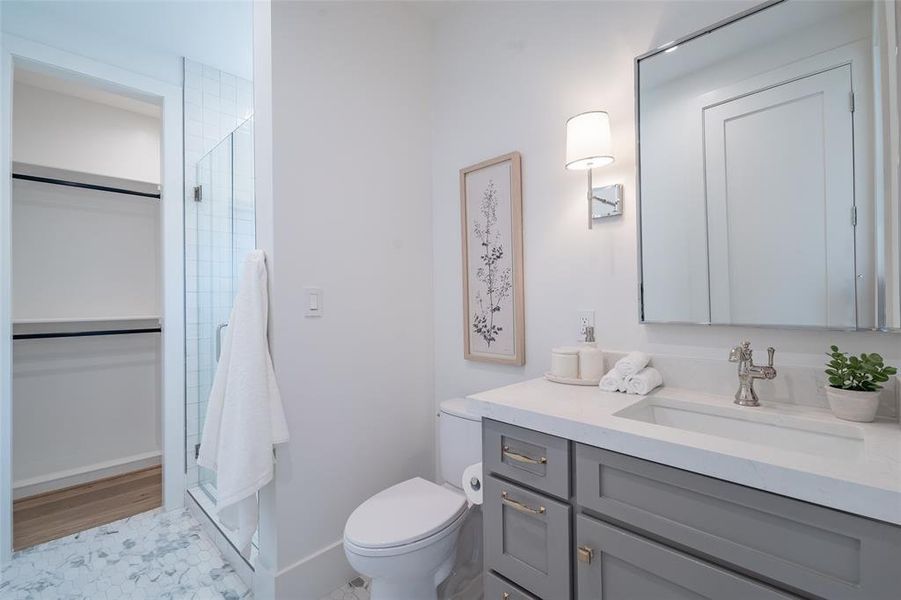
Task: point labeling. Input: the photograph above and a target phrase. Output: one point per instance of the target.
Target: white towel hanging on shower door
(245, 418)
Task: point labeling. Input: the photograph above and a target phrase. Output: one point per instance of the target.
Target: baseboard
(63, 479)
(315, 576)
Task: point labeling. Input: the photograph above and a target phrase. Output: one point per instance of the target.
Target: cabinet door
(527, 538)
(614, 564)
(498, 588)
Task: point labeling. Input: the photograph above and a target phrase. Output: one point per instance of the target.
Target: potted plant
(854, 384)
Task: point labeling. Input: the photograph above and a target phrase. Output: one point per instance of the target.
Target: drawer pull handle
(520, 506)
(585, 554)
(523, 458)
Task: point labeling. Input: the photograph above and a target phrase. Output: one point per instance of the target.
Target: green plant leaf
(862, 373)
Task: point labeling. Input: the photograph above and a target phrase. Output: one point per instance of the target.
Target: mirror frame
(880, 304)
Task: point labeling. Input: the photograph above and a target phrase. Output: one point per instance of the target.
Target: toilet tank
(459, 439)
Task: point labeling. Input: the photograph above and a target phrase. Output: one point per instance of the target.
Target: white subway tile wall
(219, 230)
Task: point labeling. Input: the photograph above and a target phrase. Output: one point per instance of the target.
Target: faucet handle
(771, 352)
(735, 354)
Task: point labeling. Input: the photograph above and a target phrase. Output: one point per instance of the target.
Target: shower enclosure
(219, 232)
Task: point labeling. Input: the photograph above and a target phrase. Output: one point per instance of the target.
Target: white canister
(565, 362)
(591, 362)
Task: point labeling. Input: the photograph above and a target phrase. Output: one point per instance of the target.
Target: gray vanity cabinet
(614, 564)
(564, 520)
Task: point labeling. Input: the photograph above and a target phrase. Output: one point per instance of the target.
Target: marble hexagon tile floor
(358, 589)
(148, 556)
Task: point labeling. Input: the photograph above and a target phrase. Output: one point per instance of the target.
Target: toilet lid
(403, 514)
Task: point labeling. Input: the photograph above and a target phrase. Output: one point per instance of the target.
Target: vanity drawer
(535, 459)
(797, 545)
(617, 565)
(526, 538)
(498, 588)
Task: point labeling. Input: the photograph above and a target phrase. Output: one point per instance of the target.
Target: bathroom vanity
(603, 496)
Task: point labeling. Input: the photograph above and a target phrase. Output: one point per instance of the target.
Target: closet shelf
(58, 320)
(69, 327)
(56, 176)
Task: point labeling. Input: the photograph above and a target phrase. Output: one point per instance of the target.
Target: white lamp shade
(588, 141)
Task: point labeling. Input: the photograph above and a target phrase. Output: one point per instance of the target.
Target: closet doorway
(86, 305)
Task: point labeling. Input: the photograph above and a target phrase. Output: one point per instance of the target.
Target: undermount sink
(754, 425)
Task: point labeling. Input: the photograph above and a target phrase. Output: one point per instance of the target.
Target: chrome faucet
(748, 372)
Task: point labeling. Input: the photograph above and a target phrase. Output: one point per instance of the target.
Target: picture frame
(491, 230)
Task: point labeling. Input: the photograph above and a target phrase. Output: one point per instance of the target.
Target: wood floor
(56, 514)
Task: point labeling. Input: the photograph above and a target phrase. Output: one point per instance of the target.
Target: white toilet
(405, 537)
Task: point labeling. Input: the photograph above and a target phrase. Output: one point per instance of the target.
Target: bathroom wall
(351, 185)
(507, 76)
(83, 408)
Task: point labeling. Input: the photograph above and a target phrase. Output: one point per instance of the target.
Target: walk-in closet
(86, 291)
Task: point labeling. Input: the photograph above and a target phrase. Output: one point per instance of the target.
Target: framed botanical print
(491, 220)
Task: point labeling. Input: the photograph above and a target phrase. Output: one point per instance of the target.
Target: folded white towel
(644, 381)
(631, 364)
(244, 418)
(611, 382)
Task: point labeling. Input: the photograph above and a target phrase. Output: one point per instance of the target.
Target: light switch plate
(313, 302)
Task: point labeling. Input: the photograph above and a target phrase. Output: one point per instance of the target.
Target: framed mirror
(768, 153)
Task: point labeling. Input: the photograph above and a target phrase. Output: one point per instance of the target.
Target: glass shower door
(215, 276)
(224, 232)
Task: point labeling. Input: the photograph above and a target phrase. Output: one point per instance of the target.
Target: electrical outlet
(586, 319)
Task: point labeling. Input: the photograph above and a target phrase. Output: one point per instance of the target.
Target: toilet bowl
(405, 536)
(404, 539)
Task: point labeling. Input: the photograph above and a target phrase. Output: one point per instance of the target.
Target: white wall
(65, 132)
(82, 406)
(507, 76)
(81, 254)
(351, 185)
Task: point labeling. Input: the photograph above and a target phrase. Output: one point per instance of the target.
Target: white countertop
(868, 483)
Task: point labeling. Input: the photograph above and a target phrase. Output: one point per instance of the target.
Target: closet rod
(87, 186)
(65, 334)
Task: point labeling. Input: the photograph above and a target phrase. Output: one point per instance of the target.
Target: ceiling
(218, 33)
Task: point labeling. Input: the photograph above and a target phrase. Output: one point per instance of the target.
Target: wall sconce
(587, 147)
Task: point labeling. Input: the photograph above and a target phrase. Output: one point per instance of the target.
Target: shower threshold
(205, 496)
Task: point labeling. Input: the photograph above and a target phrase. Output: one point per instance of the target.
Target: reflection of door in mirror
(779, 172)
(768, 160)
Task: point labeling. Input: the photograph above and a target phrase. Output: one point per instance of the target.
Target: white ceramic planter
(852, 405)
